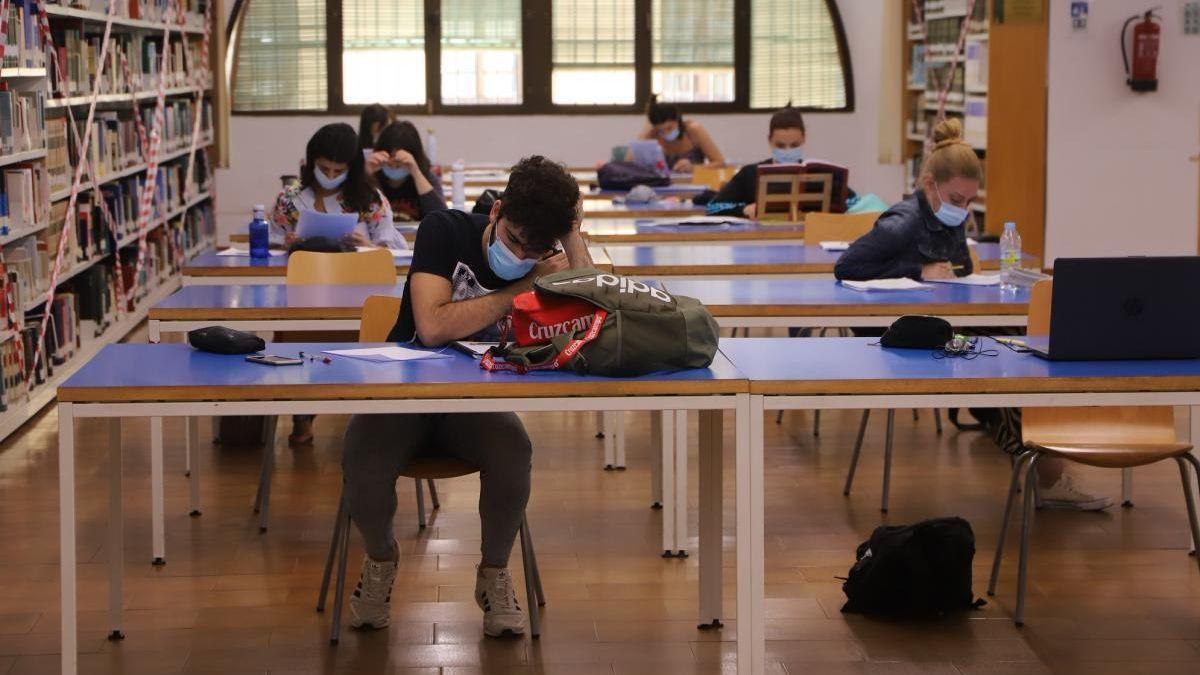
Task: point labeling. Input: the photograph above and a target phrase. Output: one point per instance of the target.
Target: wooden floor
(1111, 593)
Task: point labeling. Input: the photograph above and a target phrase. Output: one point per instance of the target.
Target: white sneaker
(370, 603)
(1065, 494)
(496, 596)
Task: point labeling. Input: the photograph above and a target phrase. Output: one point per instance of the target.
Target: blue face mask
(504, 262)
(671, 135)
(788, 155)
(949, 214)
(395, 174)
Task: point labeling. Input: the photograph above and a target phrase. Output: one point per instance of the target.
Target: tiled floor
(1111, 592)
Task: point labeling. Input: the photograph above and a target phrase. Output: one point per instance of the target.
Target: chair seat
(437, 467)
(1116, 456)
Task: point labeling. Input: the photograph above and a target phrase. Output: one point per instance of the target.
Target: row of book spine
(144, 10)
(22, 121)
(79, 48)
(23, 44)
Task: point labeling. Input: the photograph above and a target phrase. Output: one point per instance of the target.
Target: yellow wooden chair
(366, 268)
(1119, 437)
(379, 314)
(819, 227)
(713, 177)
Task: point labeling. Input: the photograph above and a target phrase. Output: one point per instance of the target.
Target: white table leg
(187, 449)
(668, 483)
(619, 441)
(193, 443)
(157, 527)
(66, 535)
(711, 497)
(681, 483)
(155, 331)
(656, 465)
(1127, 487)
(751, 646)
(610, 448)
(116, 530)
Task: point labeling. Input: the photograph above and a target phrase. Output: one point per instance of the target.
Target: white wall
(262, 148)
(1119, 180)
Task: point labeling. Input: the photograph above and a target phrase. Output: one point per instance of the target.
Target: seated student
(685, 143)
(401, 170)
(786, 136)
(371, 123)
(922, 238)
(333, 180)
(465, 272)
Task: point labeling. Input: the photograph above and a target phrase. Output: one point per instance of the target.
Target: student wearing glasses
(465, 272)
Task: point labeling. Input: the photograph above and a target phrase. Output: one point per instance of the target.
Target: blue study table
(810, 303)
(850, 373)
(662, 208)
(173, 380)
(764, 260)
(264, 307)
(632, 231)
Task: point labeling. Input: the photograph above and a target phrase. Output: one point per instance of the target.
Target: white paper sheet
(235, 251)
(904, 284)
(835, 246)
(388, 354)
(970, 280)
(328, 225)
(400, 253)
(698, 221)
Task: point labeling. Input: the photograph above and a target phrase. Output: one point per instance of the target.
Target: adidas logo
(622, 284)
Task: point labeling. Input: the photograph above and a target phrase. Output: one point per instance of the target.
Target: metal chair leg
(535, 628)
(264, 486)
(862, 431)
(433, 495)
(335, 631)
(333, 551)
(887, 461)
(779, 417)
(1026, 527)
(937, 420)
(1191, 500)
(1013, 483)
(537, 572)
(816, 423)
(420, 504)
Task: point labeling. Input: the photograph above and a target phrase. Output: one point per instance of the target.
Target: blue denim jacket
(904, 238)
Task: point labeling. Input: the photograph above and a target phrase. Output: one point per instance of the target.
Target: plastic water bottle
(1010, 256)
(260, 234)
(431, 146)
(458, 185)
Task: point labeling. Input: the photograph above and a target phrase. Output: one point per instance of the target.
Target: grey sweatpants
(378, 447)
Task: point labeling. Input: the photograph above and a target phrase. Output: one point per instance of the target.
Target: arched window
(537, 56)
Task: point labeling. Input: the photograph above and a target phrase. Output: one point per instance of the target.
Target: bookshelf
(1001, 71)
(97, 297)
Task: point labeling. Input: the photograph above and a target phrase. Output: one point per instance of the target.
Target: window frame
(536, 66)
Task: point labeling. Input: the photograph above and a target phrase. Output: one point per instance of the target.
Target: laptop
(1108, 309)
(649, 154)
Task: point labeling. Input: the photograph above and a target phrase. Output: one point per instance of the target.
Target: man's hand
(937, 270)
(578, 222)
(750, 210)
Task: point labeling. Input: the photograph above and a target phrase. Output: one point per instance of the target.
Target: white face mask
(330, 183)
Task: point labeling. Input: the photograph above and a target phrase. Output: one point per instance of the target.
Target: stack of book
(24, 198)
(22, 121)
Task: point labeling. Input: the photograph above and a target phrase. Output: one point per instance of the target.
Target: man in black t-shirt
(465, 272)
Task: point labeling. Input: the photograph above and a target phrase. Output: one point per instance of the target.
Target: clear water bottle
(1010, 256)
(431, 149)
(260, 234)
(458, 185)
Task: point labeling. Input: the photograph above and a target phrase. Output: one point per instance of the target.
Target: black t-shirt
(450, 245)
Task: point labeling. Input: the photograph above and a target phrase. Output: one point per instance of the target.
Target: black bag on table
(913, 571)
(222, 340)
(625, 175)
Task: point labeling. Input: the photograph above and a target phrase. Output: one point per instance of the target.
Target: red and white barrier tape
(944, 87)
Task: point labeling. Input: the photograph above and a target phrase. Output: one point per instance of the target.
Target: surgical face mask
(395, 174)
(504, 262)
(788, 155)
(330, 183)
(671, 135)
(949, 214)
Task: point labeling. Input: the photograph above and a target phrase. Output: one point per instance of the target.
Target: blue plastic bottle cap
(1010, 226)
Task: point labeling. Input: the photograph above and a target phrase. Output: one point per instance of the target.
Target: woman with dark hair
(401, 170)
(374, 118)
(334, 180)
(685, 143)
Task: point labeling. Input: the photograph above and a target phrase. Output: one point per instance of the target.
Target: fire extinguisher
(1144, 74)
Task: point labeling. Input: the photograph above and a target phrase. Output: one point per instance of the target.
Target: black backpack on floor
(913, 571)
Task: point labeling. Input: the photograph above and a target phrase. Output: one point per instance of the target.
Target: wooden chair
(378, 316)
(712, 177)
(307, 268)
(819, 227)
(1111, 437)
(366, 268)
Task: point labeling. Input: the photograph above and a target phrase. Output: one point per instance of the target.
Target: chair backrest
(819, 227)
(712, 177)
(376, 267)
(379, 314)
(1125, 425)
(783, 194)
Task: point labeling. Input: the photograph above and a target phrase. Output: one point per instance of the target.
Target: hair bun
(947, 132)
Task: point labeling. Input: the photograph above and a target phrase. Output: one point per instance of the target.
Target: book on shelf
(25, 202)
(975, 54)
(78, 45)
(23, 45)
(22, 121)
(58, 162)
(975, 121)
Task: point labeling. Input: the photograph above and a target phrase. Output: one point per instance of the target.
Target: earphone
(962, 347)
